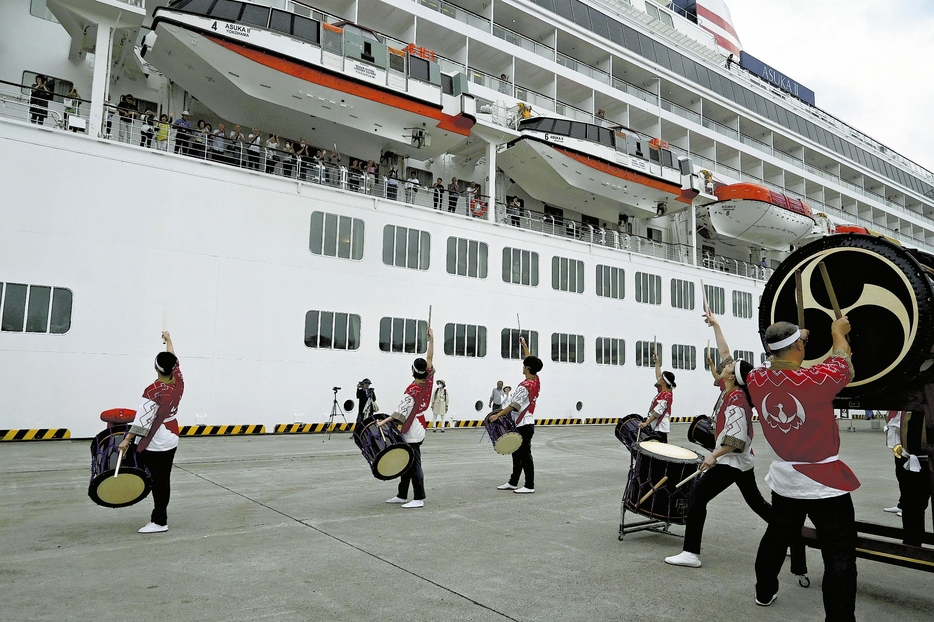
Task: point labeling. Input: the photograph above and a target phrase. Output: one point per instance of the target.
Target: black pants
(712, 483)
(522, 458)
(253, 159)
(159, 464)
(836, 529)
(662, 437)
(452, 201)
(415, 475)
(437, 198)
(915, 491)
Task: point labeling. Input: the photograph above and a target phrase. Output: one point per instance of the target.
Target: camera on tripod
(336, 389)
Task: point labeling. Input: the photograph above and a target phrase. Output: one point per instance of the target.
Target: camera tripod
(335, 412)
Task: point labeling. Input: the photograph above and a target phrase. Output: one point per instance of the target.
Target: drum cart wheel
(803, 580)
(651, 524)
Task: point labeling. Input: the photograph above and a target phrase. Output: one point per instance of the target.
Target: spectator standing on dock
(439, 406)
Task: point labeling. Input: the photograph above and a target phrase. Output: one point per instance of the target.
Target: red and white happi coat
(661, 406)
(797, 417)
(414, 403)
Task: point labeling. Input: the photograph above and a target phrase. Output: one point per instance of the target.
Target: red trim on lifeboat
(459, 124)
(754, 192)
(616, 171)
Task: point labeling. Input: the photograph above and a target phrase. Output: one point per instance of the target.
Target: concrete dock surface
(295, 527)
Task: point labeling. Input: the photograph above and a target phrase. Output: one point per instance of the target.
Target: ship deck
(294, 527)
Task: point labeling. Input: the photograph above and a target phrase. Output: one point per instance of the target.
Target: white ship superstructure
(280, 278)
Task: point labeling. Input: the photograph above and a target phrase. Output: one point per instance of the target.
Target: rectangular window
(716, 299)
(467, 257)
(336, 236)
(611, 351)
(644, 353)
(35, 309)
(38, 8)
(567, 275)
(746, 355)
(398, 334)
(465, 340)
(682, 294)
(330, 330)
(683, 357)
(742, 304)
(57, 86)
(510, 347)
(567, 348)
(714, 355)
(648, 288)
(611, 282)
(520, 266)
(406, 248)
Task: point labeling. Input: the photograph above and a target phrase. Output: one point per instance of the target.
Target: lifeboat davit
(757, 215)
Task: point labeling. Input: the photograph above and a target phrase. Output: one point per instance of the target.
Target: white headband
(787, 341)
(739, 376)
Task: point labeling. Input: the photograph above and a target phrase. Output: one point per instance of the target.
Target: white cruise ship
(607, 157)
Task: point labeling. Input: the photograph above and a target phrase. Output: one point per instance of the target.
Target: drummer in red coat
(660, 410)
(807, 477)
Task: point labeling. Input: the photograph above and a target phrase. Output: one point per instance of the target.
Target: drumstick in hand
(833, 296)
(660, 483)
(688, 478)
(799, 298)
(119, 460)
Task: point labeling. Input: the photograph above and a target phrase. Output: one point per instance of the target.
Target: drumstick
(429, 316)
(704, 292)
(119, 460)
(660, 483)
(799, 298)
(688, 478)
(830, 292)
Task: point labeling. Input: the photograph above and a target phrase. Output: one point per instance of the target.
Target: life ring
(478, 208)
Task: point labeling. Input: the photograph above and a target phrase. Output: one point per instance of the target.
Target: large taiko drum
(108, 487)
(885, 290)
(503, 434)
(384, 448)
(651, 488)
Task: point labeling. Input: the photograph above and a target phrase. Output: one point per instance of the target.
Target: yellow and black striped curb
(558, 421)
(221, 430)
(43, 434)
(312, 428)
(602, 420)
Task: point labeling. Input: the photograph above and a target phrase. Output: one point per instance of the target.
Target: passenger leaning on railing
(183, 134)
(162, 133)
(272, 153)
(72, 103)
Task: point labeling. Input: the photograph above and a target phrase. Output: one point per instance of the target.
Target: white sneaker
(524, 491)
(684, 558)
(506, 486)
(415, 503)
(395, 500)
(894, 510)
(766, 604)
(899, 513)
(153, 528)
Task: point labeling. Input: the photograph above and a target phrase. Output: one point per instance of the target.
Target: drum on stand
(109, 488)
(627, 431)
(701, 431)
(651, 487)
(503, 434)
(385, 449)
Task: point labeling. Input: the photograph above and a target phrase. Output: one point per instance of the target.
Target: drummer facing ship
(157, 428)
(522, 401)
(410, 414)
(660, 410)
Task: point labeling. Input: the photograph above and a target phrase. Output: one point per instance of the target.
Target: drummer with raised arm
(410, 414)
(158, 433)
(660, 410)
(521, 407)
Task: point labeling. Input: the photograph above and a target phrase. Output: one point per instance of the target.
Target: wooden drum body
(131, 485)
(701, 431)
(652, 463)
(503, 434)
(385, 449)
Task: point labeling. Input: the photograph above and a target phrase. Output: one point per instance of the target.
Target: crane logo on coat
(782, 420)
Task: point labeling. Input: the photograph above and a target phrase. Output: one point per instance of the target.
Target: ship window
(611, 282)
(690, 69)
(563, 8)
(675, 58)
(419, 68)
(683, 357)
(593, 133)
(567, 275)
(606, 136)
(35, 308)
(548, 4)
(616, 32)
(397, 63)
(647, 47)
(510, 347)
(281, 21)
(196, 6)
(567, 348)
(682, 294)
(653, 155)
(714, 355)
(742, 305)
(598, 23)
(546, 125)
(306, 29)
(703, 77)
(610, 351)
(648, 288)
(465, 340)
(332, 41)
(256, 15)
(520, 267)
(226, 9)
(581, 14)
(661, 55)
(447, 83)
(644, 353)
(59, 88)
(715, 299)
(578, 130)
(336, 236)
(632, 39)
(467, 258)
(406, 248)
(330, 330)
(398, 334)
(39, 8)
(563, 127)
(747, 355)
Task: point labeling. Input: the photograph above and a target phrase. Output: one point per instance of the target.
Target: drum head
(117, 492)
(392, 462)
(508, 443)
(701, 432)
(667, 450)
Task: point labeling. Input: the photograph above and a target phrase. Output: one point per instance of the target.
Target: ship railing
(573, 112)
(455, 12)
(536, 99)
(491, 82)
(635, 91)
(710, 124)
(582, 68)
(60, 111)
(510, 36)
(681, 111)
